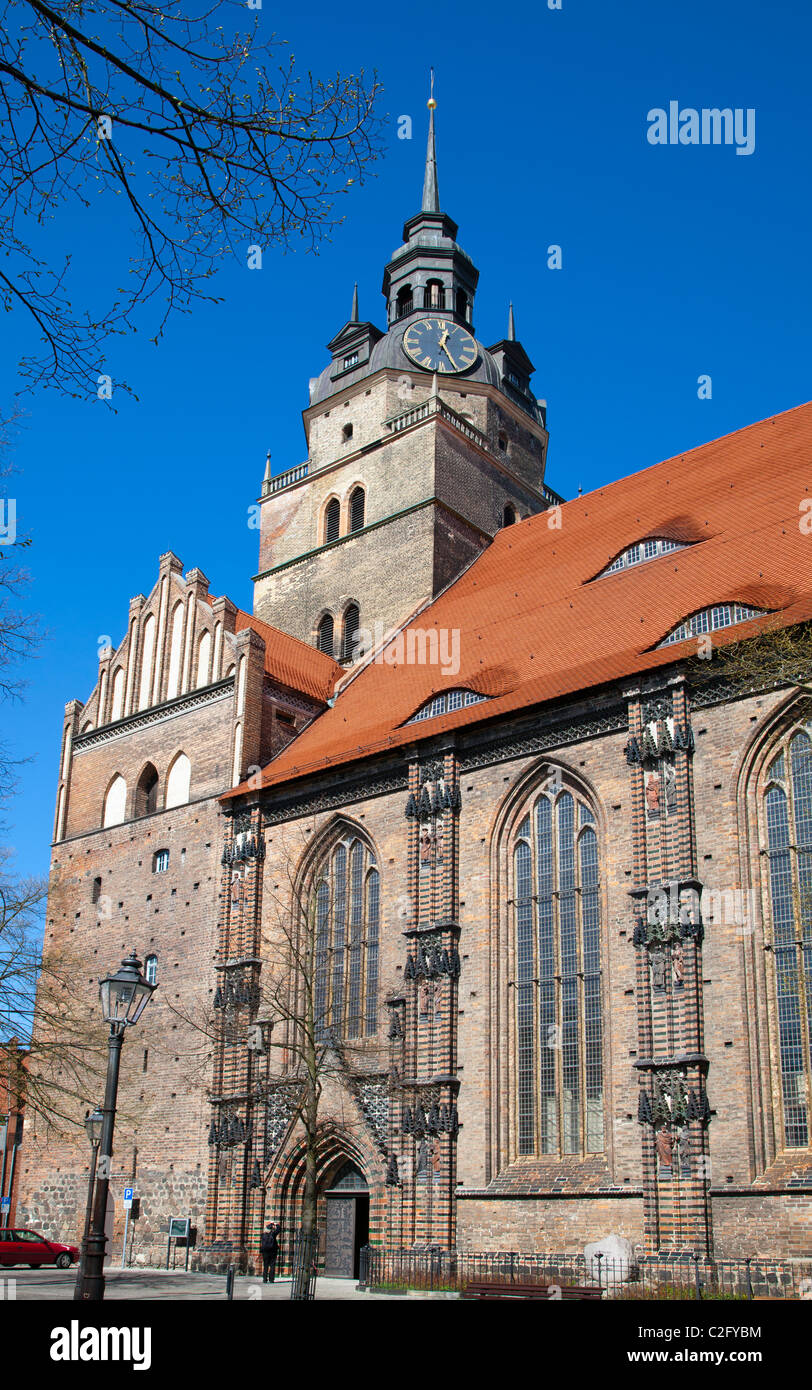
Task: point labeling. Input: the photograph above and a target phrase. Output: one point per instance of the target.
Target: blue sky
(677, 261)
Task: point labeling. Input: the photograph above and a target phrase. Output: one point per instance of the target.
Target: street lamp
(124, 996)
(94, 1123)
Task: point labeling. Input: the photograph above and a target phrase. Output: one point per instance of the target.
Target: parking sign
(128, 1197)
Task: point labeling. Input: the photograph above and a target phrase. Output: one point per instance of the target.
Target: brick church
(554, 884)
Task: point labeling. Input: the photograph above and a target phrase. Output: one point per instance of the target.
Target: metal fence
(639, 1277)
(303, 1270)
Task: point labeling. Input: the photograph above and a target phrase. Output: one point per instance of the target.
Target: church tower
(422, 444)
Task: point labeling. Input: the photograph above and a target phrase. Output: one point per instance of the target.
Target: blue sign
(128, 1194)
(5, 1204)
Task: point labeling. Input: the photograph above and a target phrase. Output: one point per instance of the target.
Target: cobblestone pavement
(145, 1284)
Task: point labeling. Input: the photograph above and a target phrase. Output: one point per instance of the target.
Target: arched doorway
(346, 1226)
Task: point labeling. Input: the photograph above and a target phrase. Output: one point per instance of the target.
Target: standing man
(269, 1246)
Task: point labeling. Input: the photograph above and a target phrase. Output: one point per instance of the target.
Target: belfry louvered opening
(332, 520)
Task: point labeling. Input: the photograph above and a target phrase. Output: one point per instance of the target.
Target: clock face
(440, 345)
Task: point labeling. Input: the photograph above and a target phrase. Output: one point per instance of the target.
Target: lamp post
(94, 1123)
(124, 996)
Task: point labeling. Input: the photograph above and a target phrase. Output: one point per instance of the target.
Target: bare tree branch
(39, 1001)
(198, 124)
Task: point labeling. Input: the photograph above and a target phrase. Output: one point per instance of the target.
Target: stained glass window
(788, 815)
(559, 1028)
(345, 975)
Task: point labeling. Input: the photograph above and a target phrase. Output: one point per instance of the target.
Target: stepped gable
(536, 623)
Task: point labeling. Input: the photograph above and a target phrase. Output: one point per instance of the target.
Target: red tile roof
(534, 622)
(294, 663)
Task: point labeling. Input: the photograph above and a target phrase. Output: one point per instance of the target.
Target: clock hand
(450, 358)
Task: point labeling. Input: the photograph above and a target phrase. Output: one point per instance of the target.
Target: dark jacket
(269, 1245)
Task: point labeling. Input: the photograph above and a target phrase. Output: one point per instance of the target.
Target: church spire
(431, 191)
(511, 325)
(354, 314)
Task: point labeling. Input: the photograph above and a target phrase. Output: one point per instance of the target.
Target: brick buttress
(423, 1032)
(673, 1107)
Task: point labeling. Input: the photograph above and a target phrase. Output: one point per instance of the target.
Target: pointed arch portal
(349, 1182)
(346, 1223)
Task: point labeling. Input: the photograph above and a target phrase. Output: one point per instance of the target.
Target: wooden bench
(486, 1289)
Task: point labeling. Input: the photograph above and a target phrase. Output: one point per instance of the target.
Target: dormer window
(446, 703)
(712, 620)
(649, 549)
(351, 360)
(508, 516)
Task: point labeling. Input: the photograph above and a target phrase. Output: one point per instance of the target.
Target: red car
(30, 1248)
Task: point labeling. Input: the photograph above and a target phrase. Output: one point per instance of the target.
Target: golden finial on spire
(431, 192)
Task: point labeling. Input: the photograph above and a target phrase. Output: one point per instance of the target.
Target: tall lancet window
(788, 817)
(557, 980)
(347, 898)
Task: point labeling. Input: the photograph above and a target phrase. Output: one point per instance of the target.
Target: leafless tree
(19, 636)
(40, 998)
(188, 132)
(300, 1030)
(299, 1049)
(776, 656)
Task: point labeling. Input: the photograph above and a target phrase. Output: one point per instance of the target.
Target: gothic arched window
(345, 989)
(325, 635)
(557, 985)
(332, 520)
(357, 504)
(352, 622)
(788, 817)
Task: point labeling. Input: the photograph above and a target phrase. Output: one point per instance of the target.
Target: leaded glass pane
(373, 908)
(787, 972)
(524, 994)
(347, 927)
(355, 934)
(321, 958)
(339, 934)
(548, 1021)
(593, 1029)
(558, 963)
